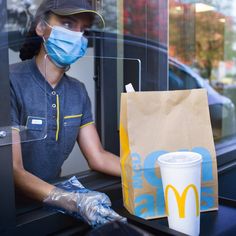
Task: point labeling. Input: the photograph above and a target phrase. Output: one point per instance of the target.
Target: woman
(58, 42)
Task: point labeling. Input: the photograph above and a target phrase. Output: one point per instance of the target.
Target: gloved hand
(91, 206)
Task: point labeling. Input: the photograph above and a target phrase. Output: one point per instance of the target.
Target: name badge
(35, 123)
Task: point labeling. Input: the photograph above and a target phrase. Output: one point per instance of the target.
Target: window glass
(129, 48)
(132, 47)
(202, 45)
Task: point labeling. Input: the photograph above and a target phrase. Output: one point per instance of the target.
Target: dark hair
(32, 43)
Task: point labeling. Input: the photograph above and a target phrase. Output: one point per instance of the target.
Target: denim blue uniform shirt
(52, 117)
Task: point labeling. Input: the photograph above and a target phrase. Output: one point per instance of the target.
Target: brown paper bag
(154, 123)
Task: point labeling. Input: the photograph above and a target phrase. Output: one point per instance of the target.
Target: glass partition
(93, 71)
(71, 116)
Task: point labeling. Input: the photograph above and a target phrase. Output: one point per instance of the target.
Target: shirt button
(54, 105)
(54, 93)
(54, 117)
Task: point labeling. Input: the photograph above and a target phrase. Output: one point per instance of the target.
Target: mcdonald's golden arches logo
(181, 200)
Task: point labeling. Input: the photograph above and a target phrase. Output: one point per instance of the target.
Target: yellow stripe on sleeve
(14, 128)
(87, 124)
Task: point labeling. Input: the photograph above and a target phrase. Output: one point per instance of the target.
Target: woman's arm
(98, 159)
(26, 182)
(93, 207)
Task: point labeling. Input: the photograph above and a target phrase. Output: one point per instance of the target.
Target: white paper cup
(181, 179)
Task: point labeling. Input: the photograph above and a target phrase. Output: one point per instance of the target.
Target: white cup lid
(180, 159)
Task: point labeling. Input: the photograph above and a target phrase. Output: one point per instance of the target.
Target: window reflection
(146, 19)
(202, 39)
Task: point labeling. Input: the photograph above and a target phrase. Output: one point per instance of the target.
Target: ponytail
(32, 44)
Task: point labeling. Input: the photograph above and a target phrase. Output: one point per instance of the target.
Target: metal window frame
(7, 195)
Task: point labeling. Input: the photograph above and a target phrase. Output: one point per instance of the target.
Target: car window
(178, 79)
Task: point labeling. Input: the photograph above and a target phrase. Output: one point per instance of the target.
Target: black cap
(67, 7)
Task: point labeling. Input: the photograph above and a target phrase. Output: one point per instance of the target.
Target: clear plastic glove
(72, 198)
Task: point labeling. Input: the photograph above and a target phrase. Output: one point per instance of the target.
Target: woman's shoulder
(19, 67)
(76, 87)
(74, 82)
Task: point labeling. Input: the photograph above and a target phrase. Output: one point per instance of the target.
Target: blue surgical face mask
(64, 46)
